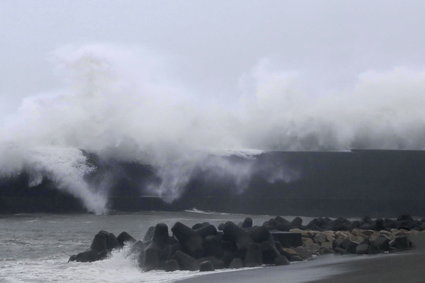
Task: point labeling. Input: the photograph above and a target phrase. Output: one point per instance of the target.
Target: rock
(269, 252)
(287, 239)
(259, 234)
(124, 237)
(149, 234)
(313, 248)
(229, 256)
(199, 225)
(297, 222)
(326, 245)
(325, 250)
(206, 230)
(406, 222)
(288, 252)
(217, 263)
(319, 224)
(190, 240)
(253, 256)
(303, 252)
(400, 243)
(319, 238)
(136, 248)
(160, 235)
(362, 248)
(185, 261)
(307, 241)
(89, 256)
(355, 224)
(389, 224)
(340, 250)
(247, 223)
(236, 234)
(104, 241)
(206, 266)
(379, 224)
(381, 244)
(282, 224)
(341, 224)
(151, 258)
(171, 265)
(212, 246)
(236, 263)
(281, 260)
(349, 245)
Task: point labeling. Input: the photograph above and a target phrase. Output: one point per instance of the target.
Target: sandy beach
(390, 268)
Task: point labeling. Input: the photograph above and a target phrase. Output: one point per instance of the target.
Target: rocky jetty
(278, 241)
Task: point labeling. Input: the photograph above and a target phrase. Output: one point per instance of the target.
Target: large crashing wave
(119, 103)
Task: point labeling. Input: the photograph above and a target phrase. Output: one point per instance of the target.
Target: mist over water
(121, 103)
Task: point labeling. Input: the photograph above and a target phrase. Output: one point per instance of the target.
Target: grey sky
(210, 44)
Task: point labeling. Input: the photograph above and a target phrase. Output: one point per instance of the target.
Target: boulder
(355, 224)
(400, 243)
(259, 234)
(341, 224)
(206, 266)
(362, 248)
(381, 244)
(269, 252)
(212, 246)
(171, 265)
(89, 256)
(136, 248)
(228, 257)
(185, 261)
(151, 258)
(206, 230)
(319, 238)
(199, 225)
(236, 263)
(236, 234)
(247, 223)
(253, 256)
(149, 234)
(320, 224)
(217, 263)
(349, 245)
(297, 222)
(282, 224)
(287, 239)
(281, 260)
(190, 240)
(389, 224)
(104, 241)
(406, 222)
(160, 235)
(379, 224)
(124, 237)
(303, 253)
(287, 252)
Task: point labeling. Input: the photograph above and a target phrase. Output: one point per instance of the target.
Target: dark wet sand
(405, 267)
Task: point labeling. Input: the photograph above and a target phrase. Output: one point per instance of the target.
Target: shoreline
(404, 266)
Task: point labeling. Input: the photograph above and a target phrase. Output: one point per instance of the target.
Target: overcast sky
(210, 44)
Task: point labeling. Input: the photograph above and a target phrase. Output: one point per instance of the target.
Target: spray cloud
(119, 102)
